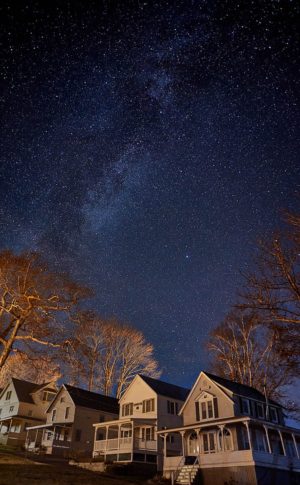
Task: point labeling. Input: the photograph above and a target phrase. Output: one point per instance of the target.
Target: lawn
(18, 470)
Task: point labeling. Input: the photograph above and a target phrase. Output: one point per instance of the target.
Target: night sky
(145, 146)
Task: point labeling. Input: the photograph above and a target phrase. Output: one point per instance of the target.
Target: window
(172, 407)
(170, 439)
(67, 412)
(78, 435)
(260, 410)
(11, 409)
(48, 396)
(273, 415)
(0, 411)
(62, 399)
(127, 409)
(53, 414)
(30, 412)
(101, 418)
(148, 405)
(207, 409)
(147, 434)
(208, 440)
(245, 405)
(8, 396)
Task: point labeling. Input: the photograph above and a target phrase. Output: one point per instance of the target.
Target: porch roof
(50, 425)
(118, 422)
(19, 416)
(218, 422)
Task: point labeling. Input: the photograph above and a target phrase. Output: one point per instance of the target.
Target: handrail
(177, 471)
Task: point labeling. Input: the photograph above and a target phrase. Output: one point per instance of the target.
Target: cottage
(69, 422)
(23, 404)
(146, 406)
(232, 433)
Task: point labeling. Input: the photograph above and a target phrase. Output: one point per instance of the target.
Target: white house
(23, 404)
(231, 434)
(69, 423)
(146, 406)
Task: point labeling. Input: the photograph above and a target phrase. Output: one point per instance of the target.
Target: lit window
(127, 409)
(8, 396)
(148, 405)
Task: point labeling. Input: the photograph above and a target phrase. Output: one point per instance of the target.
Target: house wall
(6, 404)
(136, 393)
(226, 407)
(60, 403)
(83, 420)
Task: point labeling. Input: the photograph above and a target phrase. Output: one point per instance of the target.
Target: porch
(233, 443)
(126, 440)
(49, 438)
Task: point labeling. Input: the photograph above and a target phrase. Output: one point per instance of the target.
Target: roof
(240, 389)
(24, 389)
(92, 400)
(166, 389)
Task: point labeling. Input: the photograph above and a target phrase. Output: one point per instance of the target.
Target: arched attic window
(206, 406)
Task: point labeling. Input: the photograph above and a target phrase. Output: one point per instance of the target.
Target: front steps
(187, 474)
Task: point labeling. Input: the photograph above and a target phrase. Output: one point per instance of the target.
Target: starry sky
(145, 146)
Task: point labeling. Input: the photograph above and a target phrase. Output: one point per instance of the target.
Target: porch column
(295, 445)
(165, 444)
(221, 427)
(282, 442)
(106, 438)
(10, 425)
(249, 435)
(182, 442)
(198, 431)
(36, 436)
(119, 433)
(268, 440)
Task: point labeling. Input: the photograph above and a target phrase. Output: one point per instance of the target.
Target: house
(146, 406)
(232, 434)
(69, 422)
(23, 404)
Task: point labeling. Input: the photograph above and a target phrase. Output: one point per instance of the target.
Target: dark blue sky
(145, 146)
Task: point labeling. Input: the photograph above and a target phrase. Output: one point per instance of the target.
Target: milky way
(145, 146)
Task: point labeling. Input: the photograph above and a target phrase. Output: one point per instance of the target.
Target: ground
(16, 469)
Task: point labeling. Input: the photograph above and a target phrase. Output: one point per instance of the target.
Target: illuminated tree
(35, 303)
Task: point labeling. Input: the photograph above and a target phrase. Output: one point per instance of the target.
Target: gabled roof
(166, 389)
(239, 389)
(24, 389)
(92, 400)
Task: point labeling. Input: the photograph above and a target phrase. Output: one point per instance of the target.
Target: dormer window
(8, 396)
(245, 405)
(273, 415)
(48, 396)
(260, 410)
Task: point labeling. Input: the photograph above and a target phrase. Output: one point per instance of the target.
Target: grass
(15, 469)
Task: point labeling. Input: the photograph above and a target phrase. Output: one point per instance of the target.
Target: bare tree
(108, 354)
(33, 368)
(34, 303)
(246, 351)
(273, 289)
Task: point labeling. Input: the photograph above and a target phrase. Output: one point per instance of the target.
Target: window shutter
(197, 411)
(216, 407)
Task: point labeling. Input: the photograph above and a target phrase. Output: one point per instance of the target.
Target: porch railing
(124, 444)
